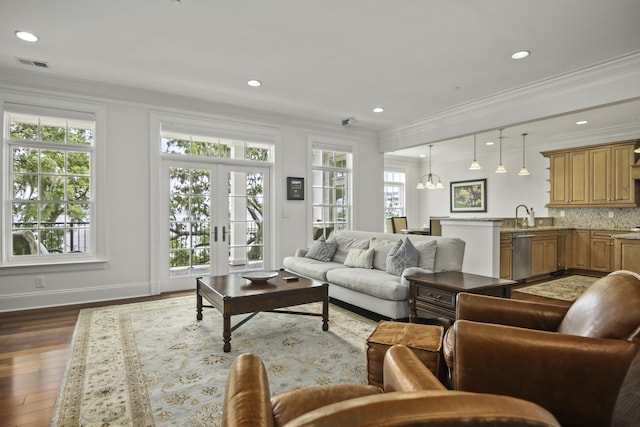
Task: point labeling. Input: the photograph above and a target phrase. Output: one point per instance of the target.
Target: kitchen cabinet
(611, 181)
(627, 255)
(597, 175)
(569, 179)
(506, 254)
(580, 249)
(544, 253)
(601, 253)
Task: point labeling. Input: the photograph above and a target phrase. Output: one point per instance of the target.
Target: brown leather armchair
(413, 397)
(571, 361)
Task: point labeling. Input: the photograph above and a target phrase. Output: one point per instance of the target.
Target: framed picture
(469, 196)
(295, 188)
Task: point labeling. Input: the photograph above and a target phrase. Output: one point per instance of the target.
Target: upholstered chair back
(607, 309)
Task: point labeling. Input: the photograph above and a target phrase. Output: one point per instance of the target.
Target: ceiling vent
(33, 62)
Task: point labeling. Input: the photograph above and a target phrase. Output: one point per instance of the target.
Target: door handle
(215, 233)
(224, 232)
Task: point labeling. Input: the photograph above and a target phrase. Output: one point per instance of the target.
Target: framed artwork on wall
(469, 196)
(295, 188)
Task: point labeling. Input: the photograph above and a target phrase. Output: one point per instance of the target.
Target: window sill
(61, 266)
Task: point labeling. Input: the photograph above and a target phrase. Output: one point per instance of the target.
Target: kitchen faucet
(525, 208)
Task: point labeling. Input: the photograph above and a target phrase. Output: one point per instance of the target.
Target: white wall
(127, 270)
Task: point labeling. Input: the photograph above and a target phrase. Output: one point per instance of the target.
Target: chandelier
(429, 183)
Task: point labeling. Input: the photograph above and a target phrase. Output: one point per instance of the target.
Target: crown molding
(616, 80)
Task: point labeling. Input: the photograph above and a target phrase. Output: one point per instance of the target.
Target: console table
(435, 293)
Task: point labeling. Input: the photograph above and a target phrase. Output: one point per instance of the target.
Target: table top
(233, 285)
(459, 281)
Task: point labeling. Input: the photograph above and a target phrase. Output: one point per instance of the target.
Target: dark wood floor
(34, 345)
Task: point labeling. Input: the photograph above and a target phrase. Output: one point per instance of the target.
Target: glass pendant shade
(501, 168)
(474, 164)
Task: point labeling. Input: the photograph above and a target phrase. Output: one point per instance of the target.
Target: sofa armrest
(292, 404)
(504, 311)
(403, 371)
(247, 399)
(576, 378)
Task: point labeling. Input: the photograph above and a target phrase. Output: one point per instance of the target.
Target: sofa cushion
(402, 256)
(322, 251)
(362, 258)
(369, 281)
(382, 249)
(310, 267)
(426, 254)
(344, 244)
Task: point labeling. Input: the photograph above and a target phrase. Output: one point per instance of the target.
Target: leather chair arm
(503, 311)
(432, 408)
(247, 399)
(291, 404)
(403, 371)
(576, 378)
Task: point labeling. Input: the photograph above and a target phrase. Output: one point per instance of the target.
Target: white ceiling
(325, 59)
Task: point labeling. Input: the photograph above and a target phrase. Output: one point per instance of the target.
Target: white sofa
(375, 289)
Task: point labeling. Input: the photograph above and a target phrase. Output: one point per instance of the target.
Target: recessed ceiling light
(520, 55)
(582, 122)
(422, 155)
(254, 83)
(378, 109)
(489, 143)
(26, 36)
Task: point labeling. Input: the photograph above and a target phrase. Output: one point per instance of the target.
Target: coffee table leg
(325, 309)
(199, 306)
(226, 333)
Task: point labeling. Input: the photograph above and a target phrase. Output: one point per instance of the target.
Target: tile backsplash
(623, 218)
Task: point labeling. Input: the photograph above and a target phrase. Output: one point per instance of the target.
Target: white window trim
(333, 144)
(207, 125)
(404, 185)
(96, 260)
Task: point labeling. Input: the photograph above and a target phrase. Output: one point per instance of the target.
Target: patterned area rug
(565, 289)
(154, 364)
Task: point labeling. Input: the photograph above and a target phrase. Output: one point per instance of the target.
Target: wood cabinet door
(559, 179)
(544, 256)
(627, 255)
(622, 185)
(601, 251)
(580, 249)
(579, 181)
(599, 183)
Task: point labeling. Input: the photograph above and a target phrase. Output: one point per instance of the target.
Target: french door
(217, 221)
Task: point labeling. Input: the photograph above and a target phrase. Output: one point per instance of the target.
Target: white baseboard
(43, 299)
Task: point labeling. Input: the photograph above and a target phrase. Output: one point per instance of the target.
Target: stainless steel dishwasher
(521, 255)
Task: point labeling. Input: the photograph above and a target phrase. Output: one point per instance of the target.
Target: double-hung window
(49, 167)
(394, 194)
(331, 190)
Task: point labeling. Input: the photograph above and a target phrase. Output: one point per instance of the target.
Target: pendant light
(501, 168)
(474, 164)
(429, 183)
(523, 170)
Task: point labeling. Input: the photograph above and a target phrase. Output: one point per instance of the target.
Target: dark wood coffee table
(231, 294)
(436, 293)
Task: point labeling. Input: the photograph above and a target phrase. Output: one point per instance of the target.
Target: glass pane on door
(189, 222)
(246, 220)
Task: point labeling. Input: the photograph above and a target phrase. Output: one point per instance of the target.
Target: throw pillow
(344, 244)
(403, 255)
(426, 254)
(322, 251)
(382, 247)
(362, 258)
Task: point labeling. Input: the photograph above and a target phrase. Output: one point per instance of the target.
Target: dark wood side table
(435, 293)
